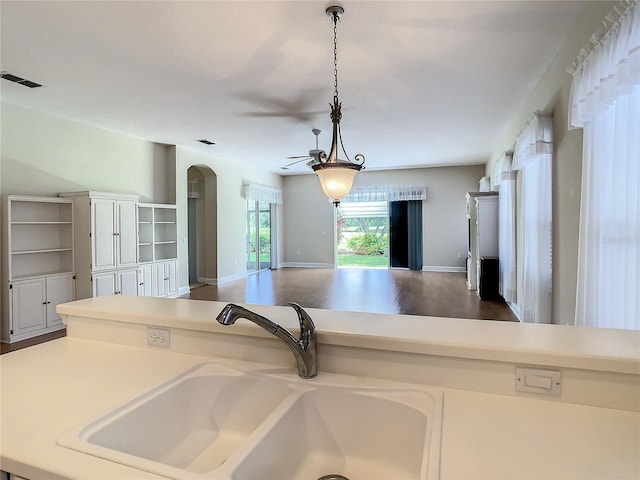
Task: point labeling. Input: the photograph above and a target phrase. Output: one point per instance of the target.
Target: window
(606, 104)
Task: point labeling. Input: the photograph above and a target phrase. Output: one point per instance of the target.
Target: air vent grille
(20, 80)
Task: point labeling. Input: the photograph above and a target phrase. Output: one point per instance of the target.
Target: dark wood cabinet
(489, 273)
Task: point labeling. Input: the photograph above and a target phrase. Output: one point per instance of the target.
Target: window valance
(534, 143)
(609, 66)
(262, 193)
(503, 171)
(390, 193)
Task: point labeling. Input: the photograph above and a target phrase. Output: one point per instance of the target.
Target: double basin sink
(220, 422)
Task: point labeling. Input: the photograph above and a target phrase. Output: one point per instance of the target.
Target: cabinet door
(171, 271)
(145, 280)
(128, 282)
(127, 234)
(103, 234)
(159, 280)
(28, 304)
(104, 284)
(59, 290)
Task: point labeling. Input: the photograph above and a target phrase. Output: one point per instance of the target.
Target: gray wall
(309, 218)
(551, 96)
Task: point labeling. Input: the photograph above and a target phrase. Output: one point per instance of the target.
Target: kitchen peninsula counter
(51, 388)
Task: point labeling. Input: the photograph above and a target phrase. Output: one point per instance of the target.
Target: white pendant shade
(336, 181)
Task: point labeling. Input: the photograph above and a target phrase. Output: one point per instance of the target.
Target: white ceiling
(421, 82)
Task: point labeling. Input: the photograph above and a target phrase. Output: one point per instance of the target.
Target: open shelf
(40, 236)
(157, 232)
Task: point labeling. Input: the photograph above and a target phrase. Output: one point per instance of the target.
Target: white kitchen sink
(218, 422)
(376, 434)
(189, 424)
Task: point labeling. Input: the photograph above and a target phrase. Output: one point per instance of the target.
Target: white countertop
(608, 350)
(49, 388)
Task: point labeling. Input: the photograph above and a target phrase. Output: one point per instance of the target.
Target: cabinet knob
(44, 303)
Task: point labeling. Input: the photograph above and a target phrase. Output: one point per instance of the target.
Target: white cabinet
(28, 307)
(59, 289)
(38, 264)
(482, 217)
(158, 249)
(165, 278)
(104, 284)
(106, 238)
(115, 282)
(145, 280)
(171, 272)
(113, 231)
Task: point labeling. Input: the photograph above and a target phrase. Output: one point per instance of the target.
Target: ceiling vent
(21, 81)
(206, 142)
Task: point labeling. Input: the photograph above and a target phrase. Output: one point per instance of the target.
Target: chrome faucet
(304, 349)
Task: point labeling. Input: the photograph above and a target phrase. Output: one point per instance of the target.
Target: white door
(145, 281)
(103, 234)
(127, 234)
(159, 279)
(104, 284)
(59, 290)
(171, 270)
(28, 305)
(128, 282)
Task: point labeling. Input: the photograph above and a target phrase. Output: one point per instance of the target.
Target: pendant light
(336, 176)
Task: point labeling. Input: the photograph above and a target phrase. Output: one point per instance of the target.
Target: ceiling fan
(313, 157)
(297, 108)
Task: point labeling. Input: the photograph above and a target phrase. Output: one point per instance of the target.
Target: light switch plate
(532, 380)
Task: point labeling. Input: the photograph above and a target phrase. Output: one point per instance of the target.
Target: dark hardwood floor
(12, 347)
(350, 289)
(364, 290)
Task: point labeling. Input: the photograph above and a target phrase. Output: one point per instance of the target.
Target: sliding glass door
(362, 234)
(258, 236)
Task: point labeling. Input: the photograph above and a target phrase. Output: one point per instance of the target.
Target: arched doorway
(202, 227)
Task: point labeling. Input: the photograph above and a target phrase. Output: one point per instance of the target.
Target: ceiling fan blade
(299, 117)
(300, 156)
(303, 159)
(298, 107)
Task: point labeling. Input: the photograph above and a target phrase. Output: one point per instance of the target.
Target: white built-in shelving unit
(38, 264)
(157, 250)
(106, 240)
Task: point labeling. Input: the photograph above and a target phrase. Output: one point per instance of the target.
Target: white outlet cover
(158, 337)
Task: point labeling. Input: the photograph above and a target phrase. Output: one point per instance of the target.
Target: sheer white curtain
(505, 179)
(606, 103)
(532, 155)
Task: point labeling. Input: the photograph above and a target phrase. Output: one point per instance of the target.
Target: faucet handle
(307, 327)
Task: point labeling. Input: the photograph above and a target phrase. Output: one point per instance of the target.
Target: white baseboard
(223, 280)
(515, 309)
(438, 268)
(305, 265)
(184, 291)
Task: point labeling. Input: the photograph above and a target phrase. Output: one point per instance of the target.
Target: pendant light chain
(335, 54)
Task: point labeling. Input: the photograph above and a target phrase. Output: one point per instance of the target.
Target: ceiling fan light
(336, 179)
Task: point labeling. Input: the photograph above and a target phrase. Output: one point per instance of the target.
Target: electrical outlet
(158, 337)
